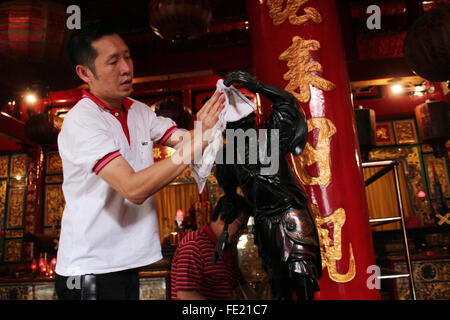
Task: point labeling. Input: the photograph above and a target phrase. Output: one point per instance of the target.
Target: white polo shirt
(101, 231)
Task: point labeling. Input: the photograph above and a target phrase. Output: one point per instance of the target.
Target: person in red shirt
(193, 274)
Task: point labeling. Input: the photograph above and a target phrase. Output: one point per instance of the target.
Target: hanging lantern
(174, 110)
(427, 45)
(43, 128)
(31, 30)
(177, 20)
(432, 119)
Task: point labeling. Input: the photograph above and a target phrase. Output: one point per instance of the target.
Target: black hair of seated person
(229, 207)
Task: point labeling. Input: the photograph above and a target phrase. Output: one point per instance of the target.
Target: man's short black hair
(228, 208)
(79, 45)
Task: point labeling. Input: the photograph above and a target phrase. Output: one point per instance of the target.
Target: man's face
(236, 228)
(113, 69)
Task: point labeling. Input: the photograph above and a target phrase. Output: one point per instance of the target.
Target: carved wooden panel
(15, 207)
(54, 205)
(53, 163)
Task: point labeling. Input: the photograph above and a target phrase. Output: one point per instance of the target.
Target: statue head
(290, 120)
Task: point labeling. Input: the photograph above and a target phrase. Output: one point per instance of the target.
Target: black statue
(284, 231)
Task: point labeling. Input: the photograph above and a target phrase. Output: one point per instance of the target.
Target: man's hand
(209, 113)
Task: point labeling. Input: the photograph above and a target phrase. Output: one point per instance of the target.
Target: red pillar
(297, 45)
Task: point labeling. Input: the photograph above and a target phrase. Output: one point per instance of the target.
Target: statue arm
(273, 93)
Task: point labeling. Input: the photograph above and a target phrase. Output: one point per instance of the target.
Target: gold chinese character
(279, 15)
(301, 69)
(320, 154)
(156, 153)
(382, 133)
(332, 246)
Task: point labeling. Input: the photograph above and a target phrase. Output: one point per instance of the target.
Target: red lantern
(31, 30)
(427, 45)
(179, 19)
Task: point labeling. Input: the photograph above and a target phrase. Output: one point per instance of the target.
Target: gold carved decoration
(18, 165)
(279, 15)
(320, 154)
(301, 69)
(14, 233)
(3, 185)
(331, 247)
(438, 164)
(4, 166)
(54, 163)
(12, 251)
(54, 204)
(54, 179)
(15, 207)
(413, 170)
(405, 131)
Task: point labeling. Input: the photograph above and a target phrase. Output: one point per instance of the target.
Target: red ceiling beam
(13, 130)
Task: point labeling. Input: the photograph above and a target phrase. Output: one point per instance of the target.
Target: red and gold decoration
(300, 48)
(383, 43)
(384, 134)
(410, 156)
(405, 132)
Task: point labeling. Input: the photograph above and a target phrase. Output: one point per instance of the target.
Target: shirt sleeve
(85, 140)
(161, 128)
(188, 268)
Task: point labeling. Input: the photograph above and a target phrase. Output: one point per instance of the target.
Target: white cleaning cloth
(236, 107)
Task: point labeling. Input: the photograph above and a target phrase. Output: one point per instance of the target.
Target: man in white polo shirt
(109, 225)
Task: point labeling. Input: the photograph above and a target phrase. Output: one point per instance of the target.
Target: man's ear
(84, 73)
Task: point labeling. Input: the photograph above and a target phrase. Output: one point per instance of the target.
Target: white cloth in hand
(236, 107)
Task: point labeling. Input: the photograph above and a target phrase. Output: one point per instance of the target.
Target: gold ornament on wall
(15, 209)
(279, 15)
(302, 70)
(12, 250)
(54, 204)
(4, 166)
(54, 163)
(18, 165)
(405, 132)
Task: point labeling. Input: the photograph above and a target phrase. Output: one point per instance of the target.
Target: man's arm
(138, 186)
(189, 295)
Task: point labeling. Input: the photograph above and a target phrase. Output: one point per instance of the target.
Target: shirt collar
(126, 102)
